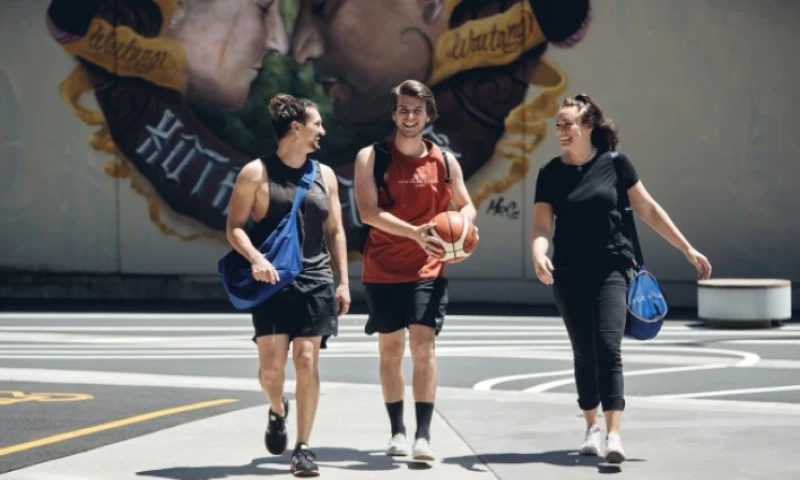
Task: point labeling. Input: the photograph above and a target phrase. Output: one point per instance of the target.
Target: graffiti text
(498, 206)
(174, 153)
(507, 39)
(103, 40)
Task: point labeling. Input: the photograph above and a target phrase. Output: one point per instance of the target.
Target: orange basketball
(457, 232)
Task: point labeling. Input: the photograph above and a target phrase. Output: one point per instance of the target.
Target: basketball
(459, 235)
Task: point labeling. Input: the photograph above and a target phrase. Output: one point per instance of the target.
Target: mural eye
(265, 5)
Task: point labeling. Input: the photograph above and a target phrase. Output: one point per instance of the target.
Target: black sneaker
(276, 438)
(303, 462)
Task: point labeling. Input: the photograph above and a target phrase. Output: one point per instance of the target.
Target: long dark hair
(604, 130)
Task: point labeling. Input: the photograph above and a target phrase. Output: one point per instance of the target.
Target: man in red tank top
(402, 274)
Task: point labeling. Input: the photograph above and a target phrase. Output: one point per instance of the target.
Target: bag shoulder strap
(628, 214)
(309, 171)
(382, 160)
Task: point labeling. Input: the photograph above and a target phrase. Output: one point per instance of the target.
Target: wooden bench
(744, 302)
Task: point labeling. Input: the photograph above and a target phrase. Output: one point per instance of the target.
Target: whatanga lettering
(506, 40)
(104, 40)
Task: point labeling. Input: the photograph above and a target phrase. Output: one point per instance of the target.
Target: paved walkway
(482, 435)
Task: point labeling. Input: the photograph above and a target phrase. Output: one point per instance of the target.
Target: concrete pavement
(477, 434)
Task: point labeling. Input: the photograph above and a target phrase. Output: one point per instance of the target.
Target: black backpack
(382, 159)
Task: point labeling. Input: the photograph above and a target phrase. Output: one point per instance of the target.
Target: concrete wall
(121, 163)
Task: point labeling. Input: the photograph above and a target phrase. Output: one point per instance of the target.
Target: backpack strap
(382, 160)
(447, 179)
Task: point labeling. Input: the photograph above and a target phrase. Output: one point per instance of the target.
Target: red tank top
(419, 191)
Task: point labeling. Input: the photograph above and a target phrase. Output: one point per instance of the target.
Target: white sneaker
(591, 442)
(614, 451)
(423, 450)
(398, 446)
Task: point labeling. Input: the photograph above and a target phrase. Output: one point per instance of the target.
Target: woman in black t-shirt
(578, 193)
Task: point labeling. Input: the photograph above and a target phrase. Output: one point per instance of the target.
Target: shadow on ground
(327, 458)
(561, 458)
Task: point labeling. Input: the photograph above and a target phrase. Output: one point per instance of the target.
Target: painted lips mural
(182, 86)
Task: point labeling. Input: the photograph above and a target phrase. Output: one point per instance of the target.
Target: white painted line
(543, 387)
(56, 332)
(147, 316)
(77, 377)
(748, 359)
(340, 343)
(121, 328)
(489, 383)
(763, 341)
(129, 357)
(489, 319)
(37, 375)
(720, 393)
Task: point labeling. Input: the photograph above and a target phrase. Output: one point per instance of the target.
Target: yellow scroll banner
(121, 51)
(486, 42)
(495, 41)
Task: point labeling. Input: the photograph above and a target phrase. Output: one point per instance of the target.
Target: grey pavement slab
(521, 435)
(477, 434)
(349, 437)
(31, 412)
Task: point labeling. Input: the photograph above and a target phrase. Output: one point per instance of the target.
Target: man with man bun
(305, 312)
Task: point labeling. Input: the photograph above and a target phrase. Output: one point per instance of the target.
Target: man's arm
(240, 207)
(334, 227)
(367, 198)
(461, 199)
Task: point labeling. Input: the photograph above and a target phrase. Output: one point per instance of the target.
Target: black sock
(424, 415)
(396, 417)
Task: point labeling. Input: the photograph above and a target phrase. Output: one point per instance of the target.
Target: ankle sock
(424, 416)
(395, 410)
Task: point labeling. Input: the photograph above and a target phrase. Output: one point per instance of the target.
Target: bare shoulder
(453, 163)
(328, 175)
(253, 171)
(365, 154)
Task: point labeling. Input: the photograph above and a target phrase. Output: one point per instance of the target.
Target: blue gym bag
(281, 248)
(647, 306)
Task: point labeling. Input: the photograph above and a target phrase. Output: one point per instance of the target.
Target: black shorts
(393, 306)
(298, 314)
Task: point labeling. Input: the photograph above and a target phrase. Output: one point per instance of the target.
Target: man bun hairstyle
(285, 109)
(604, 130)
(415, 89)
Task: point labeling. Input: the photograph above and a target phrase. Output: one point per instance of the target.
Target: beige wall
(704, 92)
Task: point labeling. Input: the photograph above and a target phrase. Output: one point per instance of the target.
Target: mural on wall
(183, 86)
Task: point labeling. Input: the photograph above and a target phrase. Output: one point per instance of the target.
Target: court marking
(488, 384)
(357, 331)
(543, 387)
(159, 317)
(111, 425)
(17, 396)
(720, 393)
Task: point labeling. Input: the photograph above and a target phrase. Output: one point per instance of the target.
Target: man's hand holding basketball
(432, 245)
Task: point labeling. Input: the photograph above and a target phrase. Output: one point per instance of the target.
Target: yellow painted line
(108, 426)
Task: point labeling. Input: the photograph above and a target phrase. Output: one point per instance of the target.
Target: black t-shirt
(283, 183)
(589, 228)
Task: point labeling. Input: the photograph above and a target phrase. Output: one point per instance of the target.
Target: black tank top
(283, 182)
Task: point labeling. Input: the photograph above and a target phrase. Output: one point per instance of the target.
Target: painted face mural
(183, 86)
